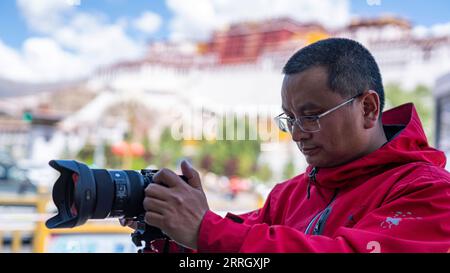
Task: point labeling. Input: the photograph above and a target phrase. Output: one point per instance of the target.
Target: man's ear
(371, 108)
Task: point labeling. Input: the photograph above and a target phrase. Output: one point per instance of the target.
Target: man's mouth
(310, 150)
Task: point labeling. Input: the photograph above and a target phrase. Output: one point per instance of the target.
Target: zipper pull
(311, 177)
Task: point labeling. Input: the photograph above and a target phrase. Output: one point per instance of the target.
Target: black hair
(351, 67)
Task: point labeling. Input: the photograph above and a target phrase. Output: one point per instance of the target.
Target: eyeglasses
(308, 124)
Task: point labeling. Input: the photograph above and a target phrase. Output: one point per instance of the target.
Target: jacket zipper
(320, 224)
(323, 214)
(311, 178)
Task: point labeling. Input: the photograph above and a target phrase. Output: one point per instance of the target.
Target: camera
(82, 193)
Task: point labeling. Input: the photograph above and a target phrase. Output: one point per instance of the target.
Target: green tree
(86, 154)
(422, 98)
(111, 160)
(169, 150)
(264, 173)
(230, 157)
(289, 169)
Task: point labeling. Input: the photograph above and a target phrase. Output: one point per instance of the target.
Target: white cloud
(148, 22)
(420, 31)
(44, 15)
(441, 29)
(197, 21)
(98, 41)
(16, 67)
(50, 62)
(39, 59)
(373, 2)
(436, 30)
(72, 44)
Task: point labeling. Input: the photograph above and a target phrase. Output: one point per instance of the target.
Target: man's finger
(157, 191)
(167, 177)
(154, 219)
(191, 174)
(154, 205)
(127, 222)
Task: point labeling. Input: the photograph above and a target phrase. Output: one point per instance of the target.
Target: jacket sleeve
(414, 217)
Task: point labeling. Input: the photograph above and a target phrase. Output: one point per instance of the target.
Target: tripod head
(146, 233)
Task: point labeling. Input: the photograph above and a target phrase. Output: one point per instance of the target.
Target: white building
(403, 56)
(442, 96)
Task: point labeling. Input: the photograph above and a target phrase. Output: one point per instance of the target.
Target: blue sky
(80, 38)
(13, 28)
(421, 12)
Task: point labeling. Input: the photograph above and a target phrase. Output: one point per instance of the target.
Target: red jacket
(396, 199)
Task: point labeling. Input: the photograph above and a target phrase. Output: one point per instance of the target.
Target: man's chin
(313, 161)
(313, 157)
(318, 161)
(322, 163)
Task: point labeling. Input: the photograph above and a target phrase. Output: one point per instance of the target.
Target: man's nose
(298, 134)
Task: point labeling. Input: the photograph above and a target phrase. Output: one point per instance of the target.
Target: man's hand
(176, 207)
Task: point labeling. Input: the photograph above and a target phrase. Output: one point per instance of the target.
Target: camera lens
(81, 193)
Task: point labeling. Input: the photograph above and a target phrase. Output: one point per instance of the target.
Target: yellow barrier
(38, 201)
(16, 244)
(42, 232)
(15, 241)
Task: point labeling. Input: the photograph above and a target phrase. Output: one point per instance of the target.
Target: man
(372, 185)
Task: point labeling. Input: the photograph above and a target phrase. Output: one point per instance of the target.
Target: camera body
(81, 193)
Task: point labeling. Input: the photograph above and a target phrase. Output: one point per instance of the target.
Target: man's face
(342, 136)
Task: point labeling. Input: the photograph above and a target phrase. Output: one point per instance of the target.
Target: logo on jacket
(397, 217)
